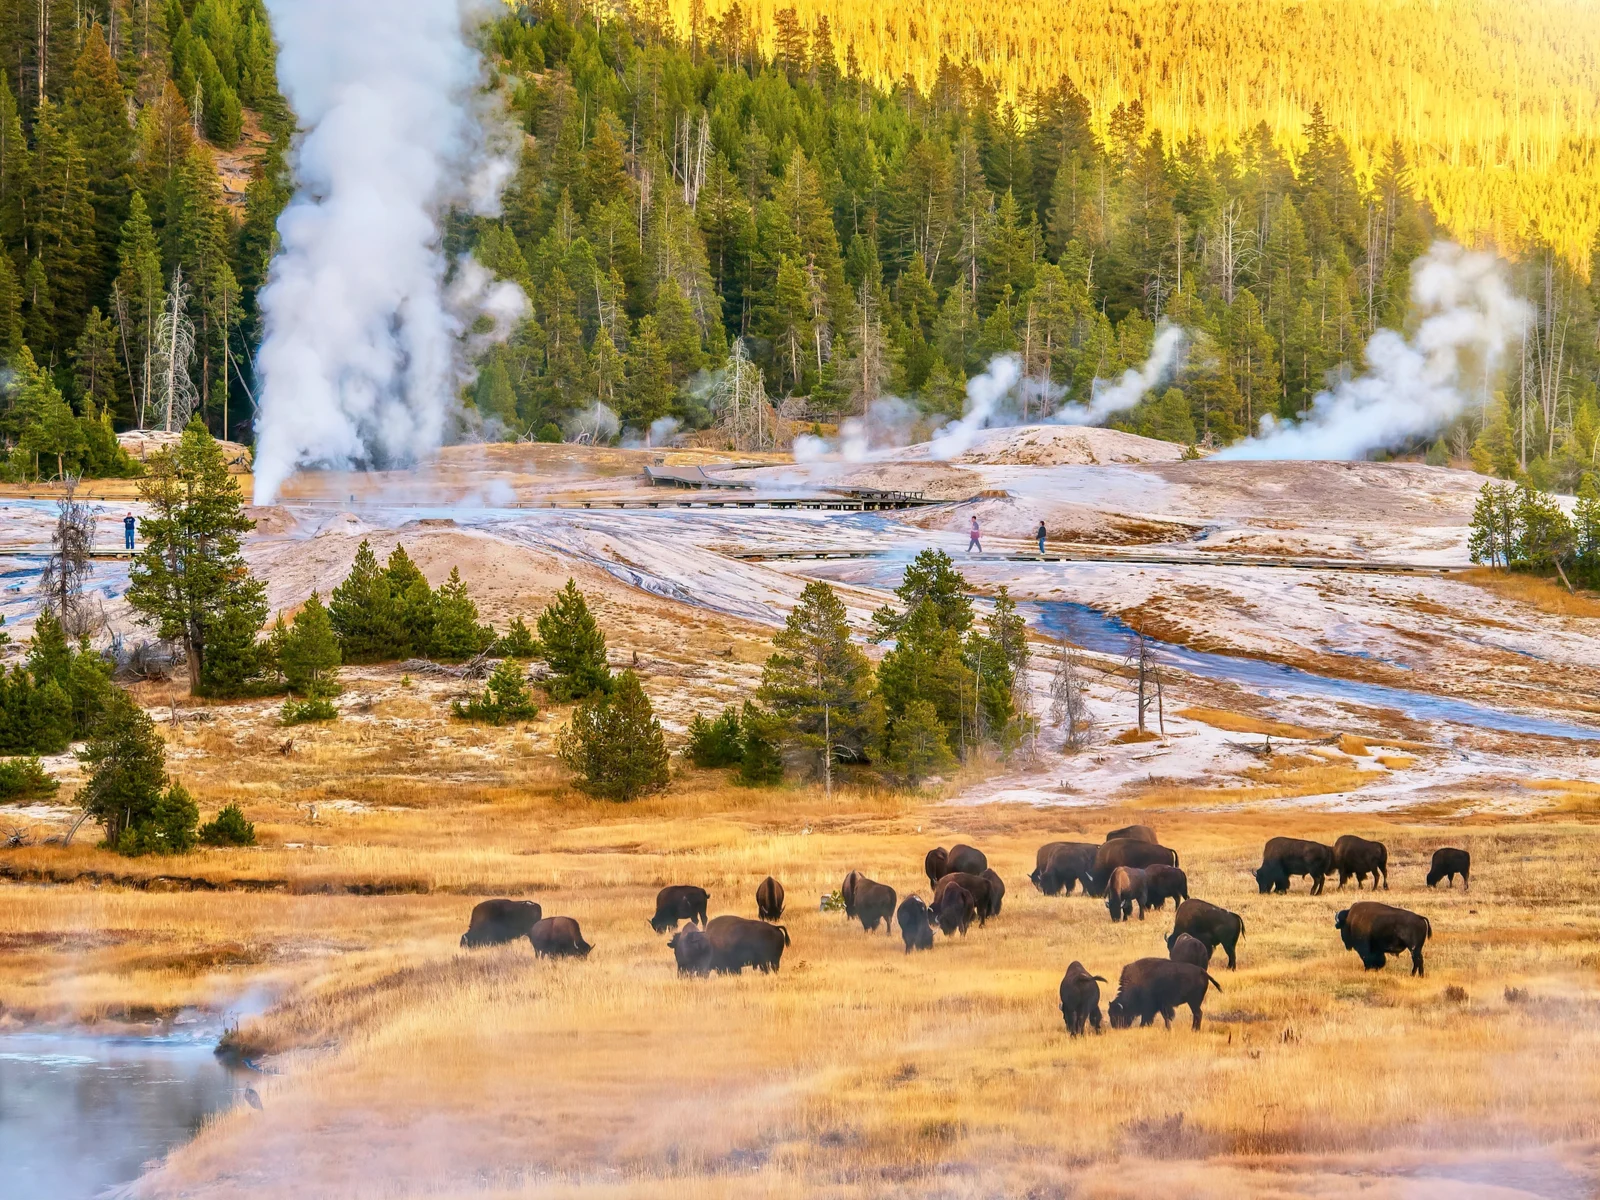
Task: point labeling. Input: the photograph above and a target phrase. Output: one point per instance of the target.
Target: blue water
(1105, 634)
(80, 1114)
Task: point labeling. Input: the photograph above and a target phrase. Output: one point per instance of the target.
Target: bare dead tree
(70, 564)
(1068, 704)
(1147, 673)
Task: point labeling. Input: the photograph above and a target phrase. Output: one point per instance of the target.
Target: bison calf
(494, 922)
(1127, 887)
(692, 949)
(1190, 949)
(916, 924)
(680, 902)
(1163, 884)
(1285, 857)
(558, 937)
(1448, 862)
(1080, 999)
(1375, 931)
(1209, 924)
(739, 942)
(1158, 985)
(769, 899)
(1059, 865)
(1359, 857)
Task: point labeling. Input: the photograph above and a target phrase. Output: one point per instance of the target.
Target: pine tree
(309, 655)
(571, 644)
(505, 697)
(457, 634)
(650, 391)
(128, 791)
(190, 582)
(10, 312)
(139, 295)
(615, 744)
(717, 743)
(96, 116)
(363, 614)
(63, 224)
(817, 679)
(760, 762)
(917, 747)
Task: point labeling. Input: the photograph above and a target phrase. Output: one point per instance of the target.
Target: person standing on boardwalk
(1040, 534)
(974, 537)
(127, 531)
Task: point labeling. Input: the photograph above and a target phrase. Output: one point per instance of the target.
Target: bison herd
(1130, 870)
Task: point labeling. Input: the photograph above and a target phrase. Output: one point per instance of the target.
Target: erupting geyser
(364, 347)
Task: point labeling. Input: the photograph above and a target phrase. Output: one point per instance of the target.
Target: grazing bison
(1158, 985)
(871, 902)
(1125, 853)
(1207, 923)
(997, 889)
(1062, 864)
(496, 921)
(769, 899)
(692, 948)
(953, 907)
(1375, 930)
(1446, 862)
(967, 860)
(934, 865)
(1284, 857)
(916, 924)
(1163, 884)
(985, 900)
(847, 892)
(1190, 949)
(1134, 833)
(739, 942)
(1359, 857)
(1080, 999)
(1127, 886)
(680, 902)
(558, 937)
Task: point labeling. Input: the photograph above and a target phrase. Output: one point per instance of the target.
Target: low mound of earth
(1051, 446)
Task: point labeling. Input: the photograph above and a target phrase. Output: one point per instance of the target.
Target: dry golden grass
(1353, 745)
(1237, 722)
(1546, 595)
(1397, 762)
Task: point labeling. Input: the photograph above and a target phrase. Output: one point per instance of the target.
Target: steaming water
(1100, 632)
(80, 1114)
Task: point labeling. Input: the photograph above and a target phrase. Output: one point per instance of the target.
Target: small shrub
(718, 743)
(302, 712)
(518, 642)
(505, 698)
(25, 779)
(614, 743)
(228, 828)
(1455, 994)
(1516, 995)
(168, 827)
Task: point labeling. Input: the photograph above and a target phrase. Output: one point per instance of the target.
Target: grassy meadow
(409, 1067)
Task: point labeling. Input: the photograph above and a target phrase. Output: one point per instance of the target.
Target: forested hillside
(673, 197)
(682, 199)
(127, 281)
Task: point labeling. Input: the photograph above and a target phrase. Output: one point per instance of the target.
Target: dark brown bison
(847, 893)
(1080, 999)
(1190, 949)
(494, 922)
(739, 942)
(1207, 923)
(1125, 853)
(953, 907)
(1134, 833)
(680, 902)
(871, 902)
(769, 899)
(916, 924)
(1359, 857)
(1126, 888)
(1447, 862)
(967, 860)
(1284, 857)
(558, 937)
(1067, 863)
(1163, 884)
(1158, 985)
(934, 864)
(984, 897)
(1375, 930)
(997, 889)
(692, 948)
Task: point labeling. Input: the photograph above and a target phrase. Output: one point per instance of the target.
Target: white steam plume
(363, 351)
(1412, 389)
(1109, 398)
(985, 395)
